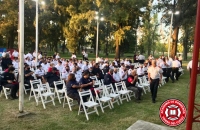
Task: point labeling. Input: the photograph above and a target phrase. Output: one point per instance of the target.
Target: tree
(9, 21)
(187, 11)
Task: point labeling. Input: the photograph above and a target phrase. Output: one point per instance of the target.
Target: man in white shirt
(15, 63)
(175, 67)
(45, 66)
(140, 71)
(85, 66)
(34, 54)
(123, 73)
(59, 66)
(15, 54)
(73, 56)
(169, 69)
(29, 55)
(155, 77)
(65, 73)
(86, 56)
(116, 75)
(39, 55)
(141, 58)
(39, 73)
(180, 58)
(28, 61)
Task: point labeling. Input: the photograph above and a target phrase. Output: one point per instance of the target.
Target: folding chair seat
(59, 93)
(109, 90)
(45, 94)
(122, 91)
(5, 91)
(89, 104)
(26, 89)
(70, 101)
(35, 89)
(102, 99)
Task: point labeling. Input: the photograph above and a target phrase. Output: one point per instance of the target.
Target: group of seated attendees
(76, 73)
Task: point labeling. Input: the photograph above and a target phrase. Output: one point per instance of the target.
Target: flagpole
(21, 55)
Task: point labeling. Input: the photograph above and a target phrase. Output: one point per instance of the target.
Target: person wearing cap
(28, 75)
(108, 78)
(155, 77)
(39, 73)
(52, 76)
(9, 81)
(105, 67)
(131, 84)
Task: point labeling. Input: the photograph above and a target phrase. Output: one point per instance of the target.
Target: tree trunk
(117, 49)
(174, 42)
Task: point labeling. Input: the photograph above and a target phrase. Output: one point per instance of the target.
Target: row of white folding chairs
(41, 92)
(104, 94)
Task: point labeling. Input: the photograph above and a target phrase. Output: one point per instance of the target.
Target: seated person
(86, 82)
(9, 81)
(39, 73)
(97, 71)
(116, 75)
(28, 76)
(140, 71)
(52, 76)
(91, 71)
(131, 84)
(72, 88)
(108, 78)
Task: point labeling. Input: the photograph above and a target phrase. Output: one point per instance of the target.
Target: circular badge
(172, 112)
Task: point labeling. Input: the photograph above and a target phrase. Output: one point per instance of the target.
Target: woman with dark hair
(72, 87)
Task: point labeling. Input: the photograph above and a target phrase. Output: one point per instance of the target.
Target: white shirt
(65, 74)
(85, 67)
(39, 72)
(45, 66)
(39, 56)
(59, 67)
(169, 63)
(29, 55)
(57, 56)
(86, 55)
(34, 54)
(140, 71)
(15, 54)
(189, 66)
(121, 73)
(180, 58)
(115, 62)
(155, 72)
(116, 76)
(73, 57)
(127, 63)
(29, 62)
(141, 57)
(15, 64)
(162, 65)
(176, 64)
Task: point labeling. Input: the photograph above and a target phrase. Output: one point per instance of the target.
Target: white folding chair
(59, 93)
(45, 94)
(89, 104)
(121, 90)
(5, 91)
(109, 90)
(35, 90)
(163, 80)
(70, 101)
(102, 99)
(131, 93)
(143, 85)
(26, 89)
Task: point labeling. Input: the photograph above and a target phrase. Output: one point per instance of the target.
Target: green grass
(119, 118)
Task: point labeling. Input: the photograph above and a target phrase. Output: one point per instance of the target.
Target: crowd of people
(77, 72)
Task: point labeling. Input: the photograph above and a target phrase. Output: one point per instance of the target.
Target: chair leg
(101, 106)
(64, 102)
(96, 110)
(70, 108)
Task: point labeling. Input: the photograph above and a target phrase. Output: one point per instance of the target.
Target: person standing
(154, 76)
(175, 67)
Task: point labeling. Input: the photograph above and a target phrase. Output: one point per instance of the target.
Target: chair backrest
(109, 89)
(94, 78)
(33, 82)
(56, 83)
(145, 79)
(119, 85)
(46, 86)
(140, 80)
(86, 93)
